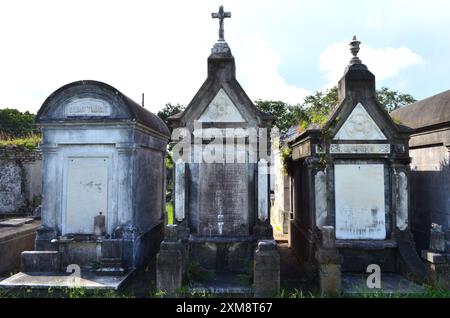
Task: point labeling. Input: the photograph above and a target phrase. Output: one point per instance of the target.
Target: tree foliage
(317, 107)
(15, 124)
(392, 100)
(170, 110)
(279, 109)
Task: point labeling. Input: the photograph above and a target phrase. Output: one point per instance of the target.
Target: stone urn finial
(354, 49)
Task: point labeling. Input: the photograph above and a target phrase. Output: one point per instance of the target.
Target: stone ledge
(219, 239)
(40, 261)
(435, 258)
(366, 244)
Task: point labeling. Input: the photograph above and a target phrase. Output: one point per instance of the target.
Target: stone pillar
(263, 190)
(169, 263)
(49, 229)
(437, 259)
(266, 271)
(329, 261)
(180, 190)
(125, 191)
(50, 187)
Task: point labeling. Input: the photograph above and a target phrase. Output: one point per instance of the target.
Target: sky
(284, 49)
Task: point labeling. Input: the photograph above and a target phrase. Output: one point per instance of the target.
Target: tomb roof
(425, 114)
(100, 90)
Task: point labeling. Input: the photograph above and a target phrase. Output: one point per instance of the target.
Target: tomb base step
(111, 262)
(224, 285)
(62, 281)
(110, 271)
(391, 284)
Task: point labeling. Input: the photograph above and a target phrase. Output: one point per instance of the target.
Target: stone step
(40, 261)
(15, 222)
(61, 281)
(223, 285)
(217, 291)
(391, 283)
(110, 271)
(111, 260)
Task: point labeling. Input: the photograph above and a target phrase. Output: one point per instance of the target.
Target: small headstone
(437, 239)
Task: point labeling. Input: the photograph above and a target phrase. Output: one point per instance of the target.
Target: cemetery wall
(20, 180)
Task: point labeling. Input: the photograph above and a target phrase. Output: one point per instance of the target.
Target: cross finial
(354, 48)
(221, 15)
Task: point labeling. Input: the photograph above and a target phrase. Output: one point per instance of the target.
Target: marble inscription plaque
(223, 200)
(88, 107)
(360, 202)
(86, 193)
(360, 148)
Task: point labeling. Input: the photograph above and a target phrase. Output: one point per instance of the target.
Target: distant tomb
(352, 175)
(430, 189)
(429, 149)
(103, 199)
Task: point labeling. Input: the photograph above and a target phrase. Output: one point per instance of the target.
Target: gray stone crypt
(221, 206)
(103, 198)
(350, 187)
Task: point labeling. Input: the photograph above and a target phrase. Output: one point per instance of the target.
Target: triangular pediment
(359, 126)
(221, 109)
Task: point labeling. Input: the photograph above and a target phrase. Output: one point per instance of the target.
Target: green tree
(317, 107)
(392, 100)
(281, 110)
(170, 110)
(15, 124)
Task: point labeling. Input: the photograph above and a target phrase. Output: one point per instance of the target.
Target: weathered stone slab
(40, 261)
(63, 281)
(15, 222)
(223, 199)
(87, 193)
(13, 241)
(11, 192)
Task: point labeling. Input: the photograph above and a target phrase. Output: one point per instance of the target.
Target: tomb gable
(221, 88)
(358, 114)
(221, 109)
(359, 126)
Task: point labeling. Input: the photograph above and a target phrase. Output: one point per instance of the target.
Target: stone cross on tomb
(221, 15)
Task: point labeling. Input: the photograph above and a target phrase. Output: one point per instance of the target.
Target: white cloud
(385, 63)
(159, 48)
(258, 68)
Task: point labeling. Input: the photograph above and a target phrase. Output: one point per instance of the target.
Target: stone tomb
(430, 189)
(352, 175)
(221, 195)
(103, 198)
